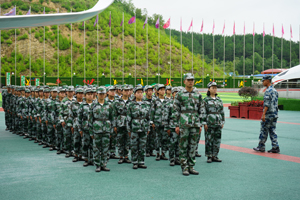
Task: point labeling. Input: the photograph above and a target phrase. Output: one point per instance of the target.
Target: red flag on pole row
(264, 31)
(291, 31)
(234, 28)
(190, 26)
(201, 27)
(244, 29)
(167, 24)
(223, 29)
(213, 30)
(273, 30)
(253, 29)
(282, 31)
(180, 24)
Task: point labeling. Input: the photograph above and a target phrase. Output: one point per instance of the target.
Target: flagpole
(44, 51)
(253, 48)
(224, 58)
(84, 52)
(281, 46)
(123, 48)
(15, 56)
(0, 53)
(71, 55)
(58, 52)
(290, 46)
(147, 51)
(170, 55)
(203, 59)
(158, 52)
(244, 57)
(272, 50)
(30, 56)
(213, 54)
(181, 49)
(97, 51)
(263, 66)
(110, 49)
(192, 49)
(234, 57)
(135, 49)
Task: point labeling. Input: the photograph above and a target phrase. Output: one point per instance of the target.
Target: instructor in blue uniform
(269, 118)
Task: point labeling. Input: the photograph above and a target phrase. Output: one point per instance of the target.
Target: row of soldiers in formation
(79, 121)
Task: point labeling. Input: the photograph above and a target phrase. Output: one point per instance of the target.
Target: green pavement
(27, 171)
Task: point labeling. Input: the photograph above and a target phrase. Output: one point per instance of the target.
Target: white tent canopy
(24, 21)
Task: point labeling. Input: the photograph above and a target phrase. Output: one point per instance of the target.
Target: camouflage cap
(160, 86)
(22, 88)
(267, 77)
(131, 87)
(109, 88)
(168, 88)
(61, 89)
(70, 89)
(40, 89)
(188, 76)
(54, 89)
(139, 87)
(79, 90)
(27, 91)
(175, 89)
(101, 90)
(87, 90)
(126, 87)
(211, 84)
(147, 87)
(4, 87)
(47, 90)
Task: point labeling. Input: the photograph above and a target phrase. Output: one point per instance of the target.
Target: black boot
(98, 168)
(259, 149)
(274, 150)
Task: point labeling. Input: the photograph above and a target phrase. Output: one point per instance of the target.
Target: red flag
(167, 24)
(180, 24)
(244, 29)
(291, 31)
(201, 27)
(264, 31)
(273, 30)
(213, 30)
(234, 28)
(223, 29)
(282, 31)
(253, 29)
(190, 26)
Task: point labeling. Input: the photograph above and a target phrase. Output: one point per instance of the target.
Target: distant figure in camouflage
(150, 146)
(269, 118)
(188, 108)
(169, 92)
(157, 108)
(44, 118)
(66, 122)
(49, 108)
(38, 113)
(25, 112)
(100, 123)
(4, 95)
(213, 120)
(83, 127)
(138, 126)
(170, 129)
(74, 110)
(119, 123)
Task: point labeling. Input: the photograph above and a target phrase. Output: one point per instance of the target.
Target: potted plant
(247, 93)
(255, 108)
(234, 109)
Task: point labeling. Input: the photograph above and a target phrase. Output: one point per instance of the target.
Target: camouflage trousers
(212, 141)
(38, 130)
(174, 146)
(59, 136)
(268, 127)
(50, 134)
(67, 138)
(198, 142)
(138, 147)
(188, 144)
(33, 129)
(25, 125)
(123, 141)
(87, 144)
(100, 148)
(29, 127)
(112, 142)
(44, 132)
(161, 139)
(8, 120)
(17, 124)
(77, 142)
(150, 145)
(12, 122)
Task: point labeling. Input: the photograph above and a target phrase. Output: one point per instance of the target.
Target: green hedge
(288, 104)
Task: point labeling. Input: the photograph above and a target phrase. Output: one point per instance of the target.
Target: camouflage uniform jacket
(120, 112)
(157, 109)
(101, 118)
(146, 99)
(74, 109)
(167, 116)
(4, 95)
(138, 117)
(213, 114)
(83, 116)
(55, 111)
(19, 106)
(13, 104)
(32, 106)
(38, 104)
(24, 107)
(64, 112)
(7, 101)
(187, 109)
(271, 101)
(49, 107)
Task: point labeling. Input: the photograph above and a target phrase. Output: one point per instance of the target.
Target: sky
(259, 12)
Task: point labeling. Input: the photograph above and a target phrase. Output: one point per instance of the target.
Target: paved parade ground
(27, 171)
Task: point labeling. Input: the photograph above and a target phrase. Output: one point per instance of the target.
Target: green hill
(117, 9)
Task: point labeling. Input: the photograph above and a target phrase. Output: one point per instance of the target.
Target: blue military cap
(268, 77)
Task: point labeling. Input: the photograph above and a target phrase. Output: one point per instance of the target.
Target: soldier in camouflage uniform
(19, 109)
(120, 111)
(83, 126)
(169, 92)
(170, 129)
(188, 108)
(110, 99)
(38, 111)
(16, 111)
(25, 112)
(157, 107)
(150, 146)
(138, 126)
(44, 117)
(33, 114)
(66, 122)
(11, 104)
(118, 94)
(56, 121)
(100, 125)
(4, 95)
(269, 118)
(213, 120)
(74, 109)
(29, 104)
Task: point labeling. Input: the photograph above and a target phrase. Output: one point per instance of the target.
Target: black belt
(213, 113)
(189, 111)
